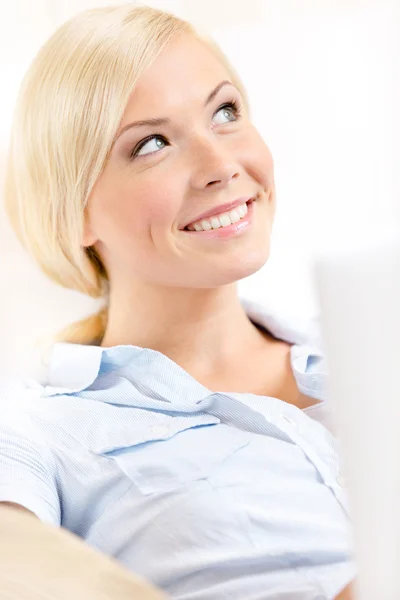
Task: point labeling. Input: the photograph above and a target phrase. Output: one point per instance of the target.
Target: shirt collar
(74, 367)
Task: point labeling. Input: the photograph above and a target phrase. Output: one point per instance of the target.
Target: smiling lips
(218, 216)
(221, 220)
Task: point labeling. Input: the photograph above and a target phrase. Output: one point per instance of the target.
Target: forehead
(186, 70)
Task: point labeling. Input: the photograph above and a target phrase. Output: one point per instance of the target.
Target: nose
(214, 166)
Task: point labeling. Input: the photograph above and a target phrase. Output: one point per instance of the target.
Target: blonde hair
(69, 108)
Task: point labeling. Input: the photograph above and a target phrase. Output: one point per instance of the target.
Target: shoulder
(18, 402)
(61, 424)
(28, 469)
(17, 395)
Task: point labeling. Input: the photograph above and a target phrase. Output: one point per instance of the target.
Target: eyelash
(233, 104)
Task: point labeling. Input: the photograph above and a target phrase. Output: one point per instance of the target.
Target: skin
(347, 594)
(172, 291)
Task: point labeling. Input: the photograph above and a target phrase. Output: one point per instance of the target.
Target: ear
(88, 238)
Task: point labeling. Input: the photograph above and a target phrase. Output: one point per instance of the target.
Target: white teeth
(242, 210)
(215, 222)
(226, 219)
(234, 216)
(206, 225)
(222, 220)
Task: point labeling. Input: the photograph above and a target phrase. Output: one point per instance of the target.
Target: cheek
(258, 159)
(161, 205)
(136, 206)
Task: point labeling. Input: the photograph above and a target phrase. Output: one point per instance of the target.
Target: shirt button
(341, 480)
(288, 419)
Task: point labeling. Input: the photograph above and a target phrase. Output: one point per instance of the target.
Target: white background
(321, 81)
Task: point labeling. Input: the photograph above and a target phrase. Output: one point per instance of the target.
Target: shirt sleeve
(28, 473)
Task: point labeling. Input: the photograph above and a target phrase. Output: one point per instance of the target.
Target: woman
(171, 432)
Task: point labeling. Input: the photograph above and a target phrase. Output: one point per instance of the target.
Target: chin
(247, 265)
(251, 264)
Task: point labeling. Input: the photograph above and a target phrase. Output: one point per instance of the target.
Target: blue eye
(152, 138)
(232, 107)
(229, 108)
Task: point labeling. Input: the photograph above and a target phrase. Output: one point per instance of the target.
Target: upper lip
(220, 209)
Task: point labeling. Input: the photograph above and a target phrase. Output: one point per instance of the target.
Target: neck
(205, 331)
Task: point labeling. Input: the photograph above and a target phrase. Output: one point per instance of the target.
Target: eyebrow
(164, 120)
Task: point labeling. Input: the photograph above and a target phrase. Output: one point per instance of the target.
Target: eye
(154, 147)
(231, 111)
(228, 110)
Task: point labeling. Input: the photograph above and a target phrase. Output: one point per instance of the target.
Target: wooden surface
(42, 562)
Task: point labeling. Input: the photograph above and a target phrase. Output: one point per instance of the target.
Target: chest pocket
(169, 452)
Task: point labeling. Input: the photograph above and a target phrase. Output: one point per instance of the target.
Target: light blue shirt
(209, 495)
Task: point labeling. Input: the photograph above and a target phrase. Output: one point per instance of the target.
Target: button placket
(329, 478)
